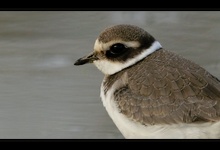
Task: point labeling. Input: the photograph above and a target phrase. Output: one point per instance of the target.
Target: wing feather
(160, 91)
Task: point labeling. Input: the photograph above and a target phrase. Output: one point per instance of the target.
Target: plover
(150, 92)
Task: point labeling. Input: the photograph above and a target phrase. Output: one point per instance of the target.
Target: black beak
(86, 59)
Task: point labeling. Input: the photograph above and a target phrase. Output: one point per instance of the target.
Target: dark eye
(116, 50)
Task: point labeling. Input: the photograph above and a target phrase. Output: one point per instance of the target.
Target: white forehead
(100, 46)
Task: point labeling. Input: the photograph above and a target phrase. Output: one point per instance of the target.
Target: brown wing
(169, 89)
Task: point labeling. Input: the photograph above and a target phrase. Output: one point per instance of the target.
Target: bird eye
(116, 49)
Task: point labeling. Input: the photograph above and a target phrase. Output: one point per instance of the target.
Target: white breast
(131, 129)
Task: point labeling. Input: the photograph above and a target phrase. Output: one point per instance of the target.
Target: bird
(150, 92)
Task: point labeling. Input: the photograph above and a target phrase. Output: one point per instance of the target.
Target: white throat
(110, 67)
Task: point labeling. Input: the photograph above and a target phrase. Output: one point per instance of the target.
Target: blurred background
(43, 95)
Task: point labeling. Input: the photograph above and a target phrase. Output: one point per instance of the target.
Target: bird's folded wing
(168, 94)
